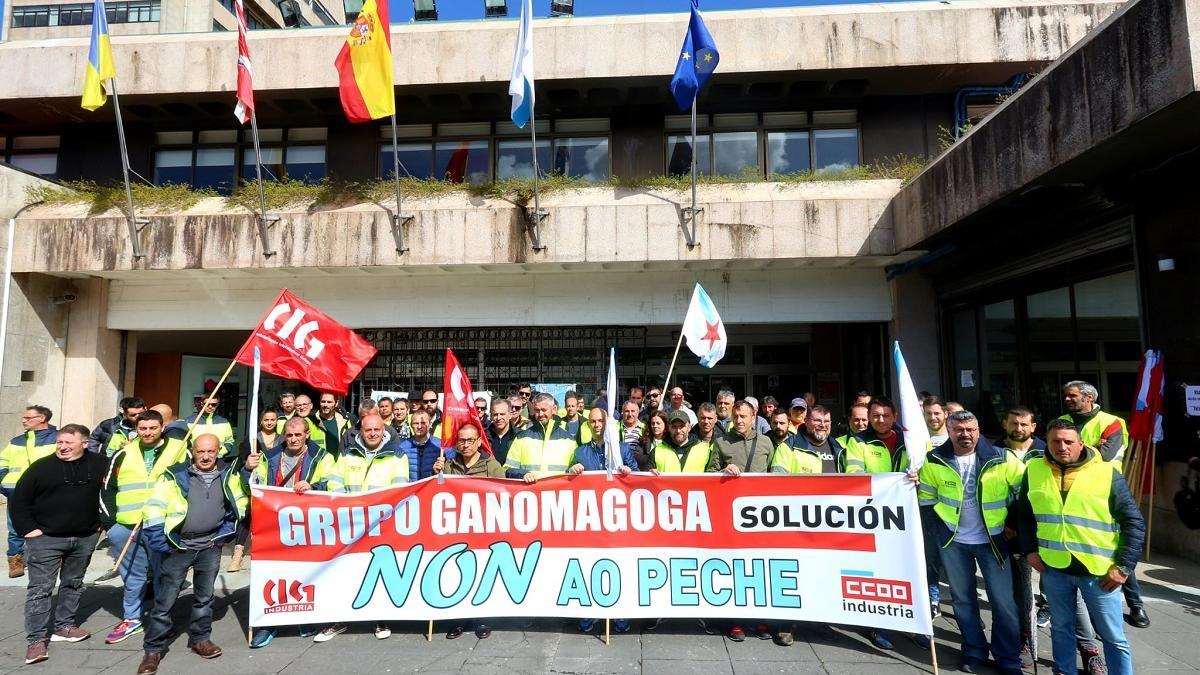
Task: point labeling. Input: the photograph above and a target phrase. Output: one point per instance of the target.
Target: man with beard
(706, 422)
(724, 410)
(810, 451)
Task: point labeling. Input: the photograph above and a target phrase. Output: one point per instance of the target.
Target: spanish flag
(100, 61)
(365, 81)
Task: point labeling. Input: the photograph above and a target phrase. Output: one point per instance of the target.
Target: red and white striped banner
(245, 73)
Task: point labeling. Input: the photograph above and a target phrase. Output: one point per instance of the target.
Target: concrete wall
(759, 40)
(392, 297)
(1139, 62)
(760, 221)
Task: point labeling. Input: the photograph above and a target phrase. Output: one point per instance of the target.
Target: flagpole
(692, 236)
(537, 202)
(262, 195)
(667, 382)
(398, 219)
(130, 217)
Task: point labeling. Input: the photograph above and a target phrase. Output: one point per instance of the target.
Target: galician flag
(100, 61)
(912, 417)
(520, 87)
(365, 81)
(703, 330)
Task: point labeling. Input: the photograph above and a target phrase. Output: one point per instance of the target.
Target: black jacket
(49, 497)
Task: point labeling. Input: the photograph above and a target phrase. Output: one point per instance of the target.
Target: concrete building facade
(1050, 242)
(799, 268)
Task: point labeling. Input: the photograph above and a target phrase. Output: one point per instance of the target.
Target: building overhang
(1073, 144)
(783, 40)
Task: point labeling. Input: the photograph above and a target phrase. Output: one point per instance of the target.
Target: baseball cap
(680, 416)
(799, 403)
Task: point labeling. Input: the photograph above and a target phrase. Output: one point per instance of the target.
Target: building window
(462, 152)
(730, 150)
(788, 152)
(35, 154)
(80, 14)
(301, 157)
(771, 144)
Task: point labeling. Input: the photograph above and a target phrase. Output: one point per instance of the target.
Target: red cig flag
(458, 408)
(299, 342)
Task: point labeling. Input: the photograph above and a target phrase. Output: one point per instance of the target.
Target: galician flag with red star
(703, 329)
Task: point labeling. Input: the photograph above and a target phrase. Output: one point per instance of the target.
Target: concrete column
(915, 324)
(93, 356)
(34, 352)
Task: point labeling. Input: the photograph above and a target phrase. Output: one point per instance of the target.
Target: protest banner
(836, 549)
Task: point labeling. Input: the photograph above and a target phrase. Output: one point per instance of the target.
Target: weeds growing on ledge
(333, 192)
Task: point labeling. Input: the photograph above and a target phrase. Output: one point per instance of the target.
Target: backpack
(1187, 500)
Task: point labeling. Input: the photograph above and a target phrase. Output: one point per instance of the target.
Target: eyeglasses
(467, 441)
(655, 394)
(482, 410)
(31, 417)
(525, 394)
(429, 400)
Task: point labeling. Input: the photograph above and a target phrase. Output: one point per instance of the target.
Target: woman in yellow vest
(1082, 531)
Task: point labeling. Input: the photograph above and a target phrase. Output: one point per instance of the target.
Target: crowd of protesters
(168, 494)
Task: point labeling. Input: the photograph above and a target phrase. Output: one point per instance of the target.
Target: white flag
(912, 416)
(612, 438)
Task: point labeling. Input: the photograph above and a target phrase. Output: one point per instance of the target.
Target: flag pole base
(689, 215)
(533, 219)
(265, 222)
(399, 220)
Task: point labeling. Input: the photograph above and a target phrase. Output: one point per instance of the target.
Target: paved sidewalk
(1171, 644)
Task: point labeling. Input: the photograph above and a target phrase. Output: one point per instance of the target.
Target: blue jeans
(16, 543)
(960, 561)
(204, 566)
(933, 560)
(138, 568)
(1104, 609)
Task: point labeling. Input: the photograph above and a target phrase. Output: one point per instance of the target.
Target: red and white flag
(458, 405)
(299, 342)
(245, 74)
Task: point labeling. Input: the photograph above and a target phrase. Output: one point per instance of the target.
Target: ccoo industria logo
(280, 595)
(865, 593)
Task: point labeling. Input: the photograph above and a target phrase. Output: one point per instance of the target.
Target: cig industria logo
(280, 595)
(301, 334)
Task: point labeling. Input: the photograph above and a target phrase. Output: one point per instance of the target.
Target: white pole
(8, 257)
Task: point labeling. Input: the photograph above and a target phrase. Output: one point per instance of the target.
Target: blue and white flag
(703, 329)
(520, 87)
(912, 416)
(697, 61)
(612, 437)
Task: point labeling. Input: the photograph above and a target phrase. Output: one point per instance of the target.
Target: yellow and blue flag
(100, 61)
(697, 61)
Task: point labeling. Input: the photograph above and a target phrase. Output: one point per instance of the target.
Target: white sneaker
(382, 632)
(330, 632)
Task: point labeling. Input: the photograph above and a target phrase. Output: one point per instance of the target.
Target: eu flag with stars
(697, 61)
